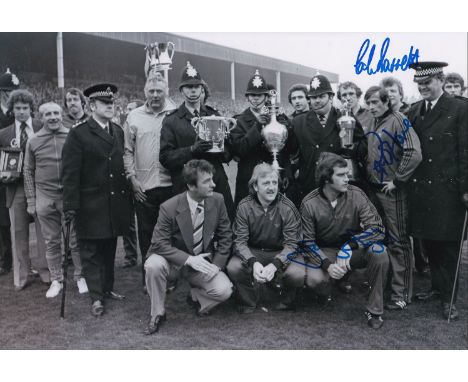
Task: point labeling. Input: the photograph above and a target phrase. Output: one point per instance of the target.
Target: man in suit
(180, 143)
(193, 234)
(317, 131)
(8, 83)
(21, 105)
(96, 192)
(438, 196)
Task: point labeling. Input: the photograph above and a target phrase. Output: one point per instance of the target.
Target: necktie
(196, 113)
(23, 136)
(198, 229)
(109, 130)
(322, 120)
(429, 108)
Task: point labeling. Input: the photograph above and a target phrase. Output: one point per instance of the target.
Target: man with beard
(75, 103)
(96, 195)
(438, 195)
(44, 190)
(394, 88)
(247, 141)
(317, 131)
(180, 142)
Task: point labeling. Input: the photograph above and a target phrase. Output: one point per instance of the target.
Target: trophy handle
(232, 123)
(172, 45)
(194, 122)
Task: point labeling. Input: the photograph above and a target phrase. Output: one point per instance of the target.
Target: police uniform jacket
(177, 137)
(437, 185)
(247, 145)
(312, 139)
(94, 181)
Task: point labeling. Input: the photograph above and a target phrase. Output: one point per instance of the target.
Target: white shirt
(104, 126)
(433, 103)
(29, 129)
(193, 204)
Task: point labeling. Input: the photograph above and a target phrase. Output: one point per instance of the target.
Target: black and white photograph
(233, 190)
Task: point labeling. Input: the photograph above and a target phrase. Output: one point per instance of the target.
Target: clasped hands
(342, 266)
(263, 274)
(201, 265)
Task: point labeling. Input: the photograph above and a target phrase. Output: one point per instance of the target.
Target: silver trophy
(213, 128)
(274, 134)
(347, 124)
(159, 57)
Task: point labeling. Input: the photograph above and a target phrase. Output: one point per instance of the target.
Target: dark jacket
(177, 137)
(312, 139)
(6, 135)
(437, 185)
(5, 120)
(94, 181)
(247, 145)
(173, 234)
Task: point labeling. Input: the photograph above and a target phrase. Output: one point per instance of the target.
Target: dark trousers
(147, 214)
(97, 260)
(130, 242)
(443, 257)
(5, 247)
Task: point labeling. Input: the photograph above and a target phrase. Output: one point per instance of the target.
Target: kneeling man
(346, 232)
(266, 230)
(193, 234)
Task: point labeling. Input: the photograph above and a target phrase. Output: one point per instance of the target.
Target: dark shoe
(171, 287)
(324, 300)
(446, 309)
(4, 271)
(242, 309)
(33, 272)
(97, 309)
(396, 305)
(114, 296)
(428, 296)
(191, 303)
(374, 320)
(345, 288)
(154, 324)
(282, 307)
(129, 263)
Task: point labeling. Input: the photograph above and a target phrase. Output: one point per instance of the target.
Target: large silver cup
(213, 128)
(347, 124)
(159, 56)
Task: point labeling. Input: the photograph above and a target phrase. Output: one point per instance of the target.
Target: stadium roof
(207, 49)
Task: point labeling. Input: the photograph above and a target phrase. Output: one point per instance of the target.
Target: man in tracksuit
(394, 153)
(43, 188)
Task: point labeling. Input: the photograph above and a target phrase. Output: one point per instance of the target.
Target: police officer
(180, 143)
(438, 194)
(96, 192)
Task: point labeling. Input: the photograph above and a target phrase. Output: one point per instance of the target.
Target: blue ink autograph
(383, 65)
(377, 246)
(308, 248)
(387, 150)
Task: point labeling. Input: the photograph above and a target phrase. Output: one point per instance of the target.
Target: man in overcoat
(438, 196)
(96, 192)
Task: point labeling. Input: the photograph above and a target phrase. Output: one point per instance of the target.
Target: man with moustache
(75, 103)
(96, 195)
(317, 131)
(151, 182)
(247, 141)
(349, 93)
(438, 195)
(43, 188)
(180, 142)
(21, 106)
(299, 100)
(394, 89)
(388, 187)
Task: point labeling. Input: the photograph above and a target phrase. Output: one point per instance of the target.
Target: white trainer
(54, 289)
(82, 286)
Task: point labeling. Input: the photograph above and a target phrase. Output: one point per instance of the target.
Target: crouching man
(345, 231)
(266, 229)
(189, 225)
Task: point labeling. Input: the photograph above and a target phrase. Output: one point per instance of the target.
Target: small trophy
(159, 57)
(11, 160)
(347, 124)
(215, 129)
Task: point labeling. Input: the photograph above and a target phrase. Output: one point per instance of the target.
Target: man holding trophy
(193, 131)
